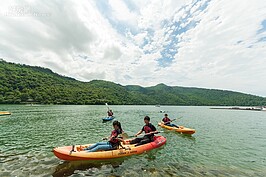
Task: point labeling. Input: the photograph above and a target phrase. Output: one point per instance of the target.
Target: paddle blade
(125, 135)
(107, 105)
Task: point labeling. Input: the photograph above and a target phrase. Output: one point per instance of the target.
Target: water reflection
(67, 168)
(165, 131)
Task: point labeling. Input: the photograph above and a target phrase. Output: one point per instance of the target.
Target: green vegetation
(30, 84)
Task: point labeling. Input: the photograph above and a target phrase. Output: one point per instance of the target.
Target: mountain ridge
(25, 84)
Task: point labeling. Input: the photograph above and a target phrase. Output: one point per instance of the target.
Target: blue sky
(216, 44)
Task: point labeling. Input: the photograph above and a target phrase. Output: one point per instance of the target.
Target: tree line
(30, 84)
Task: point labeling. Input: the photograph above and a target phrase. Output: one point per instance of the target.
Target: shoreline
(244, 108)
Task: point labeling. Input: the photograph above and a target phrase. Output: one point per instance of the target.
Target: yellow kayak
(181, 129)
(3, 113)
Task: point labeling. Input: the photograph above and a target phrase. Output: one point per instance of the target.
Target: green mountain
(31, 84)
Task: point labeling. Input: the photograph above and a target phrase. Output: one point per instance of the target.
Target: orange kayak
(181, 129)
(64, 153)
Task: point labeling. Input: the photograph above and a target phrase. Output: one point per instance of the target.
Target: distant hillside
(30, 84)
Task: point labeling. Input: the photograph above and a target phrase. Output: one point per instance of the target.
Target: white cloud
(211, 44)
(121, 12)
(219, 61)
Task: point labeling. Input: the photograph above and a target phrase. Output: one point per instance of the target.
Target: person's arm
(121, 139)
(164, 121)
(113, 135)
(110, 138)
(167, 122)
(139, 132)
(107, 138)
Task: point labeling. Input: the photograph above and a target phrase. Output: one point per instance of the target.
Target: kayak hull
(181, 129)
(3, 113)
(108, 118)
(64, 153)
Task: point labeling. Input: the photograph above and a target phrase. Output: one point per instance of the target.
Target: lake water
(226, 142)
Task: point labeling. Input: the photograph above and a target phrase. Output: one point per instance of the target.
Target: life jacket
(148, 129)
(110, 113)
(114, 141)
(166, 119)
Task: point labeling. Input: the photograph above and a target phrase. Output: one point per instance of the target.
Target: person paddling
(113, 141)
(149, 130)
(167, 121)
(110, 113)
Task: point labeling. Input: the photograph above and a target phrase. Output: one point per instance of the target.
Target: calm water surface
(227, 142)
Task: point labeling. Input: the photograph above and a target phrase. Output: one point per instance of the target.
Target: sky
(216, 44)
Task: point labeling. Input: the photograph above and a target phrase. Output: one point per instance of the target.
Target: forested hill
(30, 84)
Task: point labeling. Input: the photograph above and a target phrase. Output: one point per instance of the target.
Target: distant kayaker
(149, 130)
(110, 113)
(167, 121)
(113, 141)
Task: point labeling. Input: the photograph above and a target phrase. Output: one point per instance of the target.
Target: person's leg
(168, 124)
(144, 141)
(94, 145)
(136, 140)
(176, 126)
(173, 125)
(102, 146)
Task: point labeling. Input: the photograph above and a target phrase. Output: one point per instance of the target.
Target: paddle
(167, 122)
(173, 120)
(109, 110)
(180, 117)
(177, 118)
(146, 134)
(107, 106)
(125, 135)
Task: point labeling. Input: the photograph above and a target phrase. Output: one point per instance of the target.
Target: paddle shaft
(146, 134)
(174, 119)
(107, 106)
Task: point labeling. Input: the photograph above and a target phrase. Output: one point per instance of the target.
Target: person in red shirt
(167, 121)
(113, 141)
(110, 113)
(149, 130)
